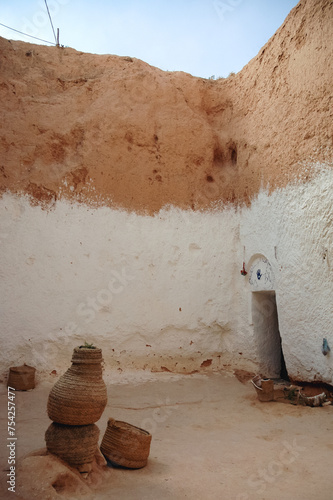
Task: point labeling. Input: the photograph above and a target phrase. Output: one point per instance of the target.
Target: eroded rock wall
(132, 196)
(121, 133)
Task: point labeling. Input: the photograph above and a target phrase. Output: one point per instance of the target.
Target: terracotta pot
(264, 388)
(79, 396)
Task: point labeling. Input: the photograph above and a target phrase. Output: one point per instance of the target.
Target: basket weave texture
(21, 378)
(76, 445)
(126, 445)
(79, 396)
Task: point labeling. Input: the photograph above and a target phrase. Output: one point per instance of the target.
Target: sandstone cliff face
(106, 142)
(115, 131)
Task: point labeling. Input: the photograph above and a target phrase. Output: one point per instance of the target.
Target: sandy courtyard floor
(212, 438)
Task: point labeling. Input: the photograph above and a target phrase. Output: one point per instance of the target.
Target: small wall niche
(226, 155)
(219, 158)
(233, 155)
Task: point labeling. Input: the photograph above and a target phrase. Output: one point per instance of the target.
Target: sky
(202, 37)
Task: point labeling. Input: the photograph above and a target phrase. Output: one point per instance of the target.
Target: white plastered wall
(166, 292)
(151, 291)
(293, 229)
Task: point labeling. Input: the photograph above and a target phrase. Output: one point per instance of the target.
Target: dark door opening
(268, 340)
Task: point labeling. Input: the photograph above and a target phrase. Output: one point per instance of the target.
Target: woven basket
(76, 444)
(21, 378)
(80, 396)
(126, 445)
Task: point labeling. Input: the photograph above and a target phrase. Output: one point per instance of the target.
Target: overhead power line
(26, 34)
(47, 8)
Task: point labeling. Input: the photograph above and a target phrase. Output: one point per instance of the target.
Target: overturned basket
(21, 378)
(76, 444)
(126, 445)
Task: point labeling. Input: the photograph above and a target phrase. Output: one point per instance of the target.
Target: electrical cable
(47, 7)
(26, 34)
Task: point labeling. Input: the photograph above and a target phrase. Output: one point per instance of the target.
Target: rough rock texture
(118, 132)
(164, 292)
(43, 475)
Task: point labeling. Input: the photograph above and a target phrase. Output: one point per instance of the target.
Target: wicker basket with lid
(21, 378)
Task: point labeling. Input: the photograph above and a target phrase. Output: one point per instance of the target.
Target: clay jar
(264, 388)
(80, 396)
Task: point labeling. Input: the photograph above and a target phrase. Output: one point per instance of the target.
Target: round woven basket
(76, 444)
(126, 445)
(21, 378)
(79, 396)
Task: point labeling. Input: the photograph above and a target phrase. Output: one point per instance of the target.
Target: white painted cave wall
(60, 285)
(53, 262)
(293, 229)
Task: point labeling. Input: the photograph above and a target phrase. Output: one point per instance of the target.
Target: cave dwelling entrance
(267, 335)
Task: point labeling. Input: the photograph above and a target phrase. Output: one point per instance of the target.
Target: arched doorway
(265, 319)
(267, 335)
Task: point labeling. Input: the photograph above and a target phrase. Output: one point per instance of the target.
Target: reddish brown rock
(115, 131)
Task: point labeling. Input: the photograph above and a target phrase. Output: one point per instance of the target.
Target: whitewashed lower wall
(293, 229)
(166, 292)
(151, 291)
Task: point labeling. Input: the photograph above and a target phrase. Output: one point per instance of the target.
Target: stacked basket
(75, 403)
